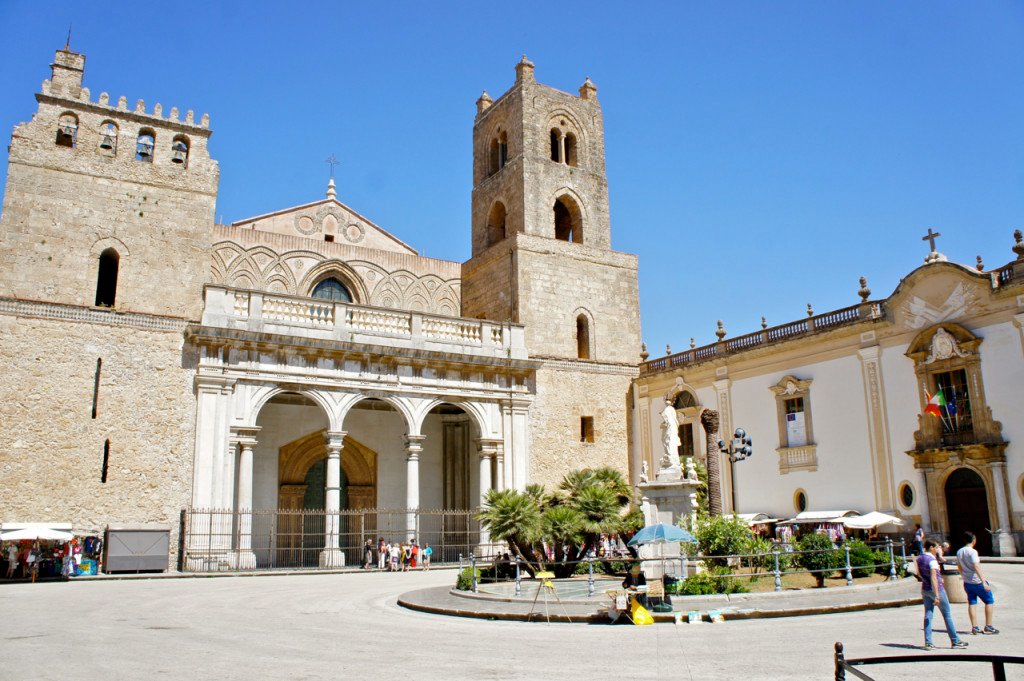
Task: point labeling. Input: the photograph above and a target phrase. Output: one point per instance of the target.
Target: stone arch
(338, 270)
(584, 333)
(475, 410)
(568, 218)
(496, 223)
(104, 243)
(400, 405)
(358, 462)
(975, 512)
(259, 398)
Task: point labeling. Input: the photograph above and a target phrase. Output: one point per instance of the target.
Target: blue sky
(761, 156)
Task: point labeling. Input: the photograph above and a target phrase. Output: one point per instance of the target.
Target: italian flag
(936, 403)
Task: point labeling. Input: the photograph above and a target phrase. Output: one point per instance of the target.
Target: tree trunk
(709, 420)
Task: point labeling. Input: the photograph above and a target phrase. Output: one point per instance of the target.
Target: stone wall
(567, 391)
(51, 449)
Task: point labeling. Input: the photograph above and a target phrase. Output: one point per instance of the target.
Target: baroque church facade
(304, 360)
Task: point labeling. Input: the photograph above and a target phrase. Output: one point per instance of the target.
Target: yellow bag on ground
(641, 615)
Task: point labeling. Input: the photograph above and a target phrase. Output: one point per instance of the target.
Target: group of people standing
(976, 586)
(396, 556)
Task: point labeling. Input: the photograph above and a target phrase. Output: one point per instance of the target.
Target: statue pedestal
(667, 501)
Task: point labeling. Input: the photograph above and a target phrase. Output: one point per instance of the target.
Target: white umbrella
(34, 533)
(869, 520)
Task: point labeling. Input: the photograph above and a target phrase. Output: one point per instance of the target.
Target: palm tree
(514, 517)
(709, 420)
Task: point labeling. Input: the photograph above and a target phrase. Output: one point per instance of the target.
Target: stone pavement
(345, 626)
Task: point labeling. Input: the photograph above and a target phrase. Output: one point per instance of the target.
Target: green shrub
(763, 556)
(720, 536)
(712, 581)
(821, 556)
(862, 558)
(464, 582)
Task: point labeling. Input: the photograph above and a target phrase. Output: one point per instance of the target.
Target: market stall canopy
(661, 533)
(33, 533)
(756, 518)
(808, 517)
(869, 520)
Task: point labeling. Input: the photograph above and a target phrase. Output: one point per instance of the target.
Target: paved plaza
(348, 626)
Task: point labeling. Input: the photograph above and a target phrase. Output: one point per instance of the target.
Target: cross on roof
(930, 238)
(332, 161)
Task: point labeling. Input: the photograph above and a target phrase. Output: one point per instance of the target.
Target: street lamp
(739, 448)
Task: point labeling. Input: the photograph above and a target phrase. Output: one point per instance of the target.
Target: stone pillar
(207, 543)
(723, 391)
(413, 449)
(332, 555)
(924, 501)
(1002, 537)
(878, 428)
(243, 556)
(488, 452)
(499, 467)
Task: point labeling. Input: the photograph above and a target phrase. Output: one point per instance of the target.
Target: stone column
(878, 428)
(243, 556)
(332, 555)
(924, 500)
(204, 547)
(1002, 538)
(413, 449)
(499, 467)
(488, 452)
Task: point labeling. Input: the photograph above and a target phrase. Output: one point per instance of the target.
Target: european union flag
(951, 405)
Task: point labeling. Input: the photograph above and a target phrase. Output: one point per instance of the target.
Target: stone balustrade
(263, 312)
(803, 458)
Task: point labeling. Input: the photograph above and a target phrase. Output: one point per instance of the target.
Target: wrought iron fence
(215, 540)
(996, 662)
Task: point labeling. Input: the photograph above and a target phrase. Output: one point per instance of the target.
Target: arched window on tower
(556, 145)
(502, 150)
(570, 149)
(496, 223)
(582, 337)
(179, 151)
(568, 223)
(144, 145)
(332, 289)
(106, 279)
(67, 130)
(108, 137)
(493, 158)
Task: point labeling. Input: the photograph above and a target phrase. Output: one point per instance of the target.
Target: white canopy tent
(870, 520)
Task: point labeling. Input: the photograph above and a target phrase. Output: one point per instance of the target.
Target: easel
(545, 586)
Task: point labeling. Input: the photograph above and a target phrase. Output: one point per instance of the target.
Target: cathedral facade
(166, 369)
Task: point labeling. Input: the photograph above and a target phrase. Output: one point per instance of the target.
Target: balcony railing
(313, 318)
(775, 334)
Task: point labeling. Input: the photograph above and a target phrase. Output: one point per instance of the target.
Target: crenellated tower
(107, 205)
(542, 257)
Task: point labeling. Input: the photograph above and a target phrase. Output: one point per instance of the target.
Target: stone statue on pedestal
(669, 438)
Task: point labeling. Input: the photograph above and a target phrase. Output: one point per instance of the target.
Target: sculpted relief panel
(296, 272)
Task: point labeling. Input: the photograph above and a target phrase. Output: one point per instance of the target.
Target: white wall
(1003, 373)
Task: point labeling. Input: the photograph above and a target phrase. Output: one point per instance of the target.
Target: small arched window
(493, 158)
(332, 289)
(496, 223)
(67, 130)
(556, 145)
(106, 279)
(582, 337)
(570, 149)
(179, 150)
(568, 223)
(685, 400)
(108, 137)
(502, 150)
(145, 145)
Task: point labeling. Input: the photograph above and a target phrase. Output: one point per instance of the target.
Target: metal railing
(216, 540)
(843, 665)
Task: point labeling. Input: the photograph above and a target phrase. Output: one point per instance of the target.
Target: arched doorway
(967, 506)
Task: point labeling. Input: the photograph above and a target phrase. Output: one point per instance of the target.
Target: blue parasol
(660, 534)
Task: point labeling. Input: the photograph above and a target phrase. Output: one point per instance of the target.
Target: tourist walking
(394, 555)
(368, 554)
(933, 593)
(427, 553)
(975, 585)
(382, 553)
(919, 539)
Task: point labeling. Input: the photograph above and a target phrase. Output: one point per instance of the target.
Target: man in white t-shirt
(975, 585)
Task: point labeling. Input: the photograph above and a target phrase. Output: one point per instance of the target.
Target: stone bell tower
(542, 257)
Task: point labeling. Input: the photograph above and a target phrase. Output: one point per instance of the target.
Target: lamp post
(739, 448)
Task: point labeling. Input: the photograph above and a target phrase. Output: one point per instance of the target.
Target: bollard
(903, 550)
(849, 572)
(519, 579)
(590, 576)
(892, 559)
(472, 568)
(778, 575)
(461, 567)
(840, 662)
